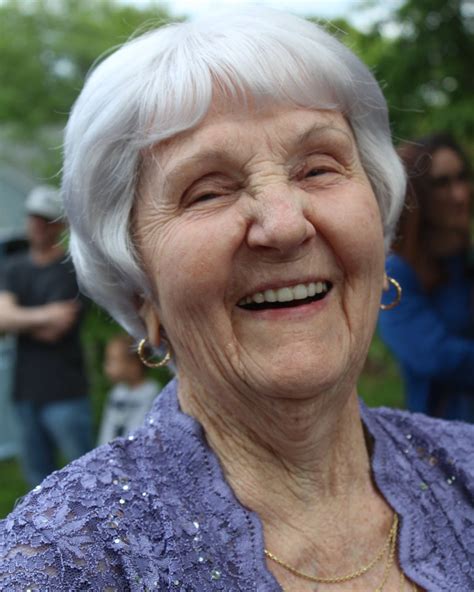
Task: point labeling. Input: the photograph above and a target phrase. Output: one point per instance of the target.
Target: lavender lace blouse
(153, 512)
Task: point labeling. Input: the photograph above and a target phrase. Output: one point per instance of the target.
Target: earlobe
(149, 315)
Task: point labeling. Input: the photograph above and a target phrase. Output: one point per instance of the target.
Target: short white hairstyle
(163, 83)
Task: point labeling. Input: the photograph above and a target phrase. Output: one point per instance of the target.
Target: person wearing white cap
(39, 303)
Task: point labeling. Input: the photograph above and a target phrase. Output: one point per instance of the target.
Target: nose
(279, 220)
(461, 192)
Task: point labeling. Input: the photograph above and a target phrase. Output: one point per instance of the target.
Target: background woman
(432, 331)
(231, 183)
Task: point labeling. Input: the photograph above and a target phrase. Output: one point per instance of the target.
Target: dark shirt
(45, 372)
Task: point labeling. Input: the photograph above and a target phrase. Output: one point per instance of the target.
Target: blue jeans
(45, 429)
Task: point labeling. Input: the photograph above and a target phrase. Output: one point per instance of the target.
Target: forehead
(276, 126)
(445, 160)
(118, 347)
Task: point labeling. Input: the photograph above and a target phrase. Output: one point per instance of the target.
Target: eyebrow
(313, 133)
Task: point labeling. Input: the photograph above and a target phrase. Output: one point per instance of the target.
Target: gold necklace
(389, 545)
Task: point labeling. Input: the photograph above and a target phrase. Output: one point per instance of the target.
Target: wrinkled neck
(283, 451)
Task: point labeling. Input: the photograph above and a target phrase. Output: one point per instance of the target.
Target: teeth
(270, 296)
(287, 294)
(300, 292)
(284, 294)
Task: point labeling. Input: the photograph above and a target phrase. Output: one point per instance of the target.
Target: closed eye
(316, 172)
(205, 197)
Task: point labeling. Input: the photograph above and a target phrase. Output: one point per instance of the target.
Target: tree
(427, 68)
(47, 48)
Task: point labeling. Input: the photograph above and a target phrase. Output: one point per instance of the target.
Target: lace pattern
(154, 512)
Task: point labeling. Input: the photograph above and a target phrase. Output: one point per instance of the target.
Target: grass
(12, 485)
(379, 385)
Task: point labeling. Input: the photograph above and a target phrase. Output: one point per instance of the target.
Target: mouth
(287, 296)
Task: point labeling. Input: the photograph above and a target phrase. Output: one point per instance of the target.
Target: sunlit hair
(163, 83)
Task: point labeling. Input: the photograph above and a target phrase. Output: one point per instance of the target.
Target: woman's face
(253, 208)
(449, 211)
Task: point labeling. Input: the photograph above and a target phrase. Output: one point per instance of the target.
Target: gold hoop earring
(396, 301)
(146, 362)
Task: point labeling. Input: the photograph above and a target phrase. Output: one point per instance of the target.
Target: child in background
(133, 394)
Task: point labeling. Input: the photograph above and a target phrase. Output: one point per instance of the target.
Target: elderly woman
(432, 331)
(231, 184)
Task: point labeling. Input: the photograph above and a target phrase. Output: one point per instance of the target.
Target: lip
(276, 285)
(293, 313)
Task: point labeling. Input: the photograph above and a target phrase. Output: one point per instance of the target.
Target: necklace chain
(389, 545)
(389, 548)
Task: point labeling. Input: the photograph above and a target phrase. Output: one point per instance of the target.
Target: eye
(316, 172)
(205, 197)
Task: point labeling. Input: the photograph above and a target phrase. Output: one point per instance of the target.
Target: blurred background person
(431, 332)
(133, 394)
(39, 303)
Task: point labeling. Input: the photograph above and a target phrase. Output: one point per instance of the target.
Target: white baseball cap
(44, 201)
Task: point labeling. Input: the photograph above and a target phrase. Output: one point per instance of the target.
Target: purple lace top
(154, 512)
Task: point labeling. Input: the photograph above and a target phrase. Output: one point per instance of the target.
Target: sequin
(196, 525)
(423, 486)
(145, 494)
(215, 574)
(121, 501)
(408, 436)
(201, 559)
(117, 541)
(126, 487)
(131, 438)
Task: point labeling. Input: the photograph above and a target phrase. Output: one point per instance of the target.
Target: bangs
(195, 74)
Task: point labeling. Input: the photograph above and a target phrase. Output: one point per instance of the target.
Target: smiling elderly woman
(230, 184)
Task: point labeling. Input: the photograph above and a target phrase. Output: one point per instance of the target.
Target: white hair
(162, 83)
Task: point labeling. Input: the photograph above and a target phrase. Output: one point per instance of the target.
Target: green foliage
(47, 49)
(12, 486)
(422, 56)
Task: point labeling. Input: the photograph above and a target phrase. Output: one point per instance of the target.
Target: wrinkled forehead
(225, 128)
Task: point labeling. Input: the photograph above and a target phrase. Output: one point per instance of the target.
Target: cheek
(195, 262)
(356, 237)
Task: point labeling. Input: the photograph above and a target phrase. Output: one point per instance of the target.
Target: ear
(149, 315)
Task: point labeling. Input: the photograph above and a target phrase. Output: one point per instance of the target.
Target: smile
(287, 296)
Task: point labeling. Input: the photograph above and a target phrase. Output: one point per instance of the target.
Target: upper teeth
(287, 294)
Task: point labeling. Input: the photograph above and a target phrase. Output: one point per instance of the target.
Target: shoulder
(455, 438)
(424, 467)
(74, 529)
(402, 271)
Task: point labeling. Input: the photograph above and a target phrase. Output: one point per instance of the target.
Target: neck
(303, 467)
(282, 455)
(45, 255)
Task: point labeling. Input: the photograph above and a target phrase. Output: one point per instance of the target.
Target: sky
(353, 10)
